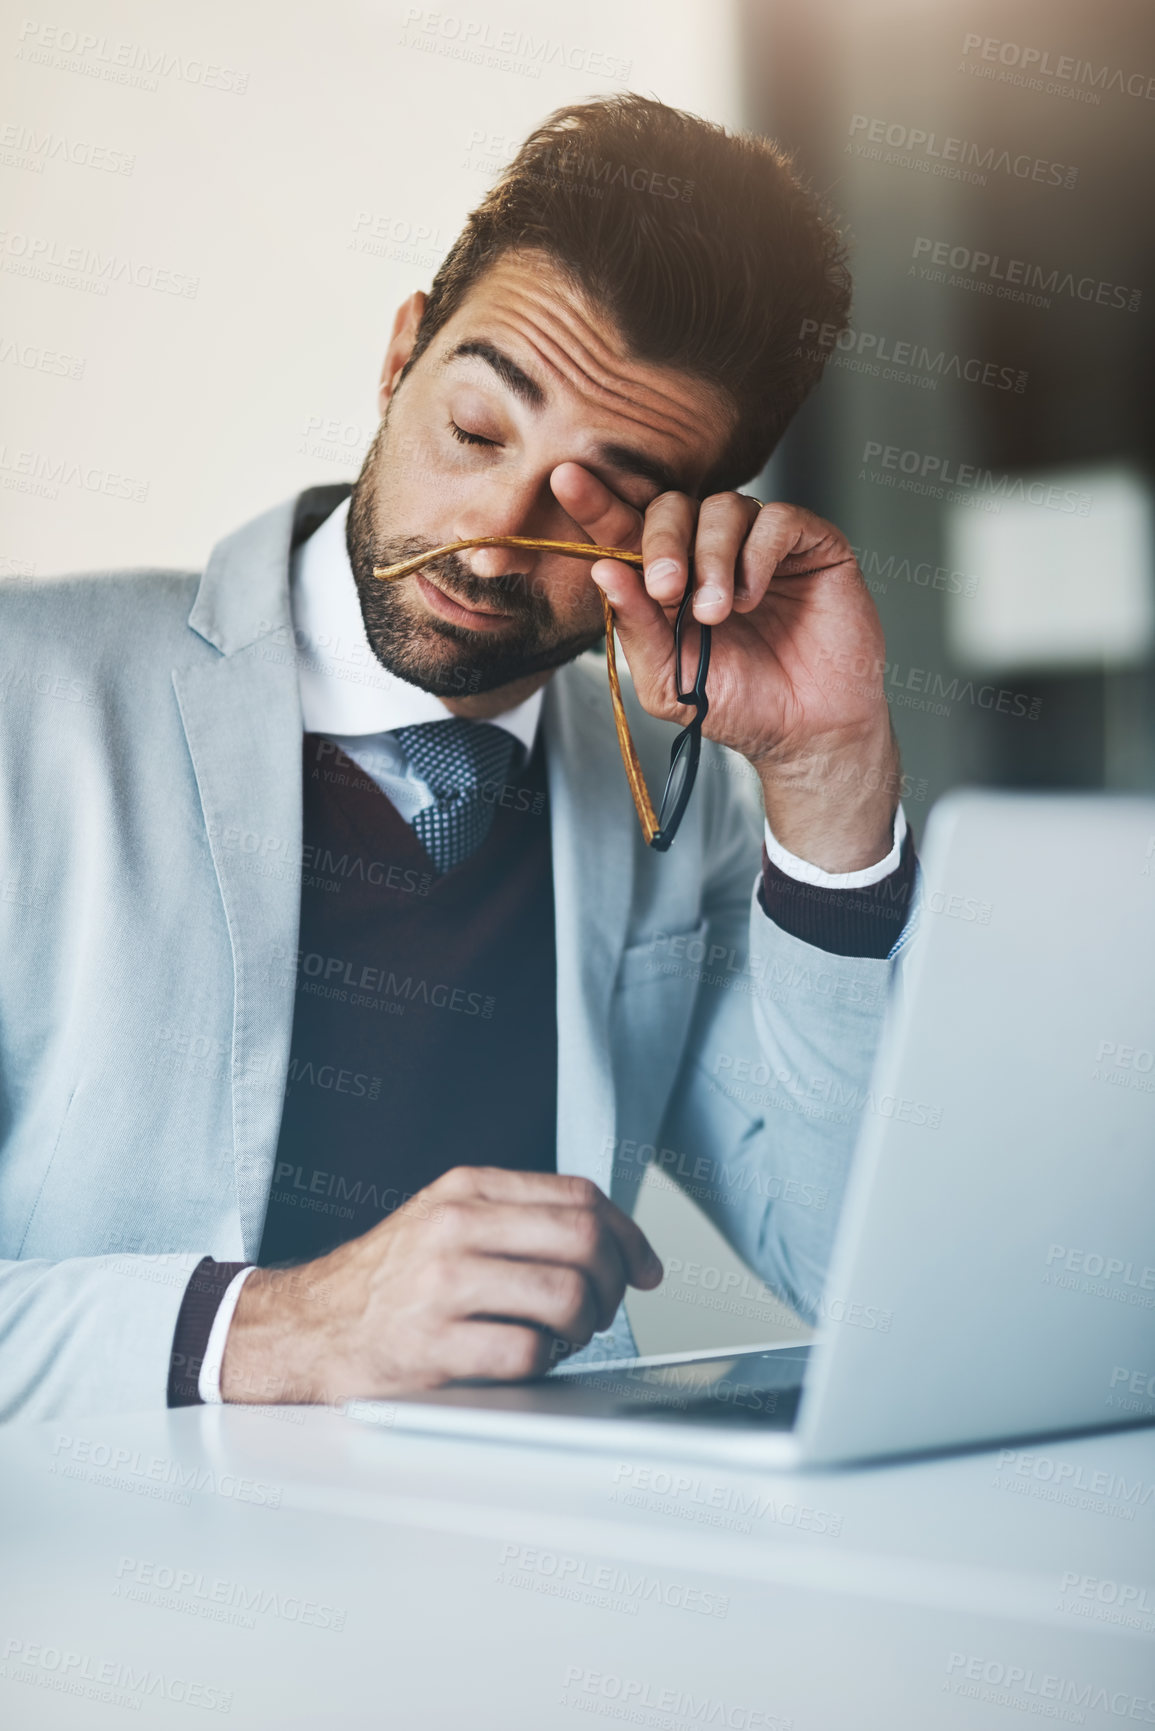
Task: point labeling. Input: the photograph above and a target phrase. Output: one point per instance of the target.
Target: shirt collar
(344, 688)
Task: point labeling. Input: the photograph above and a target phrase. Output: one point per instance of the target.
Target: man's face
(524, 377)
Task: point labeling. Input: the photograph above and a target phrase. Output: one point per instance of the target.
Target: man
(342, 1002)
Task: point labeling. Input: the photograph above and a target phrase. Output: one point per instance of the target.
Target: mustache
(517, 593)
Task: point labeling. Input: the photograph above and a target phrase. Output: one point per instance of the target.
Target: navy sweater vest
(425, 1020)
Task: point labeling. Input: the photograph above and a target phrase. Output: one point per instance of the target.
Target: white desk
(291, 1569)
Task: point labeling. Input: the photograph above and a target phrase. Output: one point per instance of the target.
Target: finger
(568, 1189)
(536, 1232)
(499, 1184)
(667, 536)
(780, 533)
(551, 1295)
(724, 521)
(605, 517)
(559, 1190)
(497, 1351)
(645, 634)
(642, 1262)
(576, 1237)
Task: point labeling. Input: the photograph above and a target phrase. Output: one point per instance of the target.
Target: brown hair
(704, 247)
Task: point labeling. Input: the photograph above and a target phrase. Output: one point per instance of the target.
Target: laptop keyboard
(775, 1409)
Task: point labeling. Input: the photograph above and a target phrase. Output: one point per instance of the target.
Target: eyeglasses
(659, 827)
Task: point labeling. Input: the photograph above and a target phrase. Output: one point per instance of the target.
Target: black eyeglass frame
(689, 741)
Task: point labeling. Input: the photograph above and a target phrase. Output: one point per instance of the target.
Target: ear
(401, 342)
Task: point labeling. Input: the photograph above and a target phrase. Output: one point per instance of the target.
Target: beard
(435, 654)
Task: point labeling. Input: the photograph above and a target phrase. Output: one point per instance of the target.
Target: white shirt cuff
(209, 1380)
(805, 873)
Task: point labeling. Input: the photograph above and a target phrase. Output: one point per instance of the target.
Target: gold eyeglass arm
(578, 550)
(643, 804)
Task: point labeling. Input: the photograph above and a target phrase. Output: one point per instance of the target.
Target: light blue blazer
(150, 848)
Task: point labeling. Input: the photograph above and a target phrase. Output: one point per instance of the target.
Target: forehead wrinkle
(576, 326)
(600, 358)
(518, 274)
(558, 360)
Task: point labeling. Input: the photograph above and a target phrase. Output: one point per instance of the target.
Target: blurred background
(209, 219)
(1035, 367)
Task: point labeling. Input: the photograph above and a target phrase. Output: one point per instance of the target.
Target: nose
(498, 562)
(501, 511)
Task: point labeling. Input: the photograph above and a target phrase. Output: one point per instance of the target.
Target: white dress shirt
(348, 696)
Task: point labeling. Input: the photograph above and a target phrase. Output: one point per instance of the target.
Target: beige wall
(297, 206)
(209, 216)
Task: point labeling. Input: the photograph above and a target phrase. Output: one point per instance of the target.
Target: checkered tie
(455, 759)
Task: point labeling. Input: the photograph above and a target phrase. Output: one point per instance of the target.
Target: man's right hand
(481, 1274)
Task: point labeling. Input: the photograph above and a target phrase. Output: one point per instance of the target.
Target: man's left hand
(797, 658)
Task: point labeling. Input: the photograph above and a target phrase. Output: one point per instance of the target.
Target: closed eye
(465, 438)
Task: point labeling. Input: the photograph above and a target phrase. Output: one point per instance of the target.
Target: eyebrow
(507, 370)
(624, 458)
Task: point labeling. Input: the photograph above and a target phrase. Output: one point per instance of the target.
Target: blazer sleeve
(90, 1334)
(775, 1077)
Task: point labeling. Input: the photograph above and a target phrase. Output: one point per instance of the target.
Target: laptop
(993, 1274)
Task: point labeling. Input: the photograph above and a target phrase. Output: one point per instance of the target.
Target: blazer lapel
(242, 720)
(592, 845)
(241, 713)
